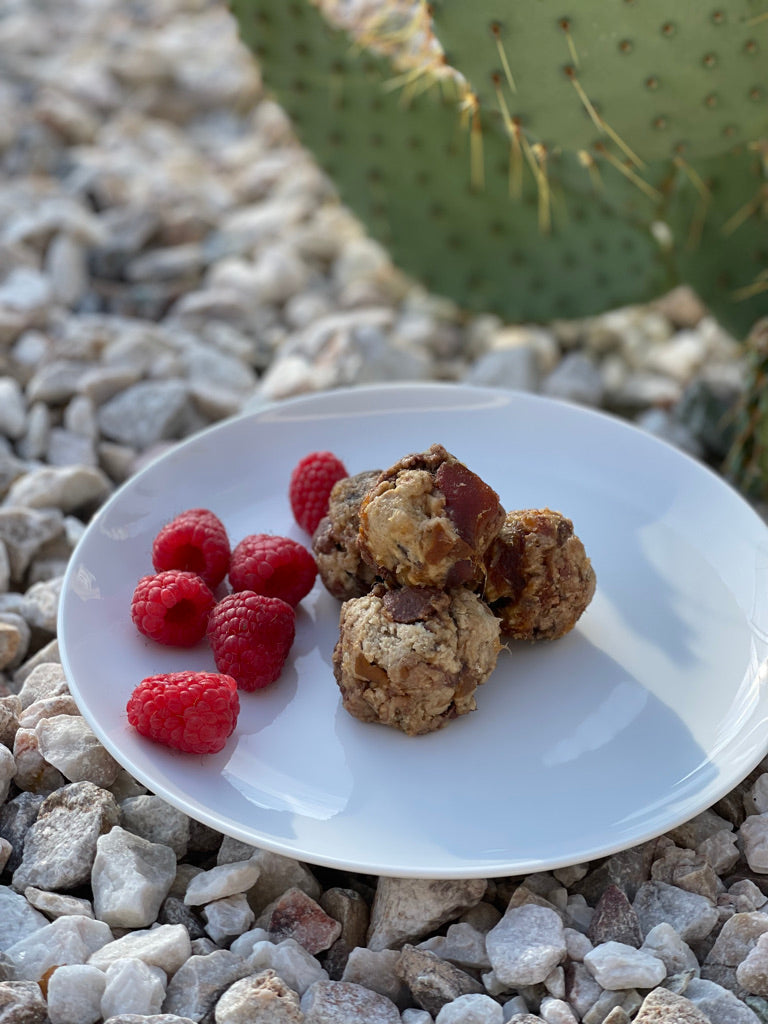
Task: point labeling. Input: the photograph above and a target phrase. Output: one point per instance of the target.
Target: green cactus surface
(666, 79)
(539, 182)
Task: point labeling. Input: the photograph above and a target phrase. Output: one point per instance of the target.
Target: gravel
(170, 256)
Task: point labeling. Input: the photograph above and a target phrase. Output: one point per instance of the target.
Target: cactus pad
(688, 78)
(557, 219)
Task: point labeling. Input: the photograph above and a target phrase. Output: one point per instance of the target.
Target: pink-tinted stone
(294, 915)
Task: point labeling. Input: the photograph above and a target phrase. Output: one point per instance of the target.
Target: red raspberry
(191, 711)
(275, 566)
(250, 635)
(172, 607)
(310, 487)
(195, 541)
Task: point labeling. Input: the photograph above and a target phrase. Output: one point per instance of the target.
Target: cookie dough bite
(412, 657)
(429, 521)
(335, 541)
(539, 579)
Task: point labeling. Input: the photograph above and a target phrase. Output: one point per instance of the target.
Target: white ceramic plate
(647, 713)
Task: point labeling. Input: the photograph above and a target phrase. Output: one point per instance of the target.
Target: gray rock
(433, 982)
(718, 1003)
(200, 980)
(40, 606)
(575, 379)
(146, 413)
(154, 819)
(60, 847)
(22, 1002)
(69, 744)
(515, 368)
(338, 1002)
(25, 531)
(692, 916)
(16, 818)
(407, 909)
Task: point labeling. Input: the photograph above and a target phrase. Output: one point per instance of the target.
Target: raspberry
(275, 566)
(195, 541)
(310, 487)
(250, 635)
(172, 607)
(192, 711)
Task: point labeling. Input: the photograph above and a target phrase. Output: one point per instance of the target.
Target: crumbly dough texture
(335, 541)
(412, 658)
(539, 579)
(429, 521)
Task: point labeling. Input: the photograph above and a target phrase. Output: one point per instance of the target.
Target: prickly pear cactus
(541, 162)
(747, 461)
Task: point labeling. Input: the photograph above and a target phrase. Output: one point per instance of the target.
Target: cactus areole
(540, 161)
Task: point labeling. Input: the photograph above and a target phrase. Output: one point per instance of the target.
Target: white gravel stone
(462, 944)
(471, 1009)
(338, 1002)
(756, 798)
(575, 379)
(166, 946)
(753, 836)
(298, 968)
(227, 918)
(556, 1011)
(377, 971)
(196, 985)
(13, 408)
(63, 487)
(69, 744)
(7, 771)
(40, 605)
(74, 994)
(19, 918)
(130, 878)
(222, 880)
(132, 987)
(663, 942)
(615, 965)
(67, 940)
(57, 904)
(526, 945)
(718, 1003)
